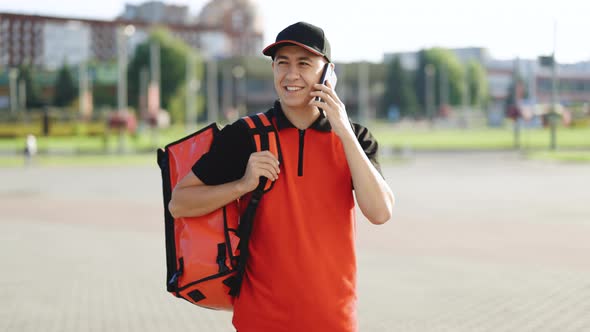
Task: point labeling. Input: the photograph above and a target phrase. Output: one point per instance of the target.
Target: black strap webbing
(247, 218)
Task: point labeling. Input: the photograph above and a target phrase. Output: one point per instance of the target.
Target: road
(478, 242)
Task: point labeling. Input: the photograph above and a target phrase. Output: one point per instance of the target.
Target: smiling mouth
(293, 88)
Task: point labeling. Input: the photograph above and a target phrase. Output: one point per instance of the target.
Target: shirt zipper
(300, 163)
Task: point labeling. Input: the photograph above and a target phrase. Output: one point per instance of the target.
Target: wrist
(345, 134)
(240, 188)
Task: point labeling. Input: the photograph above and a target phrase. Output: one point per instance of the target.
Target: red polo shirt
(301, 272)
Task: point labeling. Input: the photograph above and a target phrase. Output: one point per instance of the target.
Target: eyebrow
(284, 57)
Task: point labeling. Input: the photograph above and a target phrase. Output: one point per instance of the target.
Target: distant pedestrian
(30, 149)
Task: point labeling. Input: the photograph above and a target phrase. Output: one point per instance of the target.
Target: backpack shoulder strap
(265, 137)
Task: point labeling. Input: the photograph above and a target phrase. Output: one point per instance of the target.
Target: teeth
(293, 88)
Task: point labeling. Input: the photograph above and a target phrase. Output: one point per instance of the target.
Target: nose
(292, 73)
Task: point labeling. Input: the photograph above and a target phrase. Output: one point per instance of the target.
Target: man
(301, 272)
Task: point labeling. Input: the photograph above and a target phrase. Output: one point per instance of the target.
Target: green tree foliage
(477, 83)
(104, 95)
(173, 61)
(32, 89)
(399, 90)
(444, 61)
(65, 89)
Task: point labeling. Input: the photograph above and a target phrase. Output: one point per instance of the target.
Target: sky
(366, 29)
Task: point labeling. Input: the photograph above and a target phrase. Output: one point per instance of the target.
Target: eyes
(300, 63)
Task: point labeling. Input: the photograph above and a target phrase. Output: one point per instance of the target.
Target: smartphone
(327, 75)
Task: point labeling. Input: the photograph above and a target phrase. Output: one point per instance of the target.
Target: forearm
(372, 193)
(193, 201)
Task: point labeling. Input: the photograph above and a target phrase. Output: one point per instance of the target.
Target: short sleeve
(368, 144)
(228, 157)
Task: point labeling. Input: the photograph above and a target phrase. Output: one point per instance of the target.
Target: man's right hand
(261, 163)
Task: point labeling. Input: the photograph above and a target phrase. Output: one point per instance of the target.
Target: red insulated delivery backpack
(206, 255)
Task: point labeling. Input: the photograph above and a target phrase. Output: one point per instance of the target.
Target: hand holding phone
(327, 75)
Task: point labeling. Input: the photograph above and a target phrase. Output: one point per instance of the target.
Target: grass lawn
(562, 156)
(82, 160)
(478, 139)
(101, 150)
(97, 144)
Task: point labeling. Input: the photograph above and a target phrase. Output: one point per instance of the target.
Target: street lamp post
(83, 90)
(429, 91)
(239, 74)
(554, 97)
(517, 104)
(154, 90)
(13, 75)
(363, 94)
(123, 33)
(192, 86)
(227, 91)
(212, 95)
(22, 94)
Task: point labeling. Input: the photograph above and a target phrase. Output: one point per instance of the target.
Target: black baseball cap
(302, 34)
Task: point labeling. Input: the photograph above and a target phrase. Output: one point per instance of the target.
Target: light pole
(443, 87)
(154, 90)
(83, 97)
(13, 75)
(192, 86)
(239, 74)
(143, 93)
(517, 107)
(123, 33)
(212, 95)
(429, 71)
(22, 94)
(554, 96)
(363, 79)
(227, 90)
(154, 93)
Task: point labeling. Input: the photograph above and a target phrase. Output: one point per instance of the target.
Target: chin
(297, 104)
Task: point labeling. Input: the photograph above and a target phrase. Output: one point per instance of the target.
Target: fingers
(327, 89)
(326, 102)
(266, 158)
(327, 95)
(266, 170)
(264, 164)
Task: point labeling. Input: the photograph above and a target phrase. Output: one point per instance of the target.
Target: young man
(301, 272)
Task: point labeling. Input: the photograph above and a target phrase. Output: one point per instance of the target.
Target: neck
(303, 117)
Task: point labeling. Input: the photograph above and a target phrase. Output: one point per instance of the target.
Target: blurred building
(240, 22)
(224, 28)
(156, 12)
(573, 79)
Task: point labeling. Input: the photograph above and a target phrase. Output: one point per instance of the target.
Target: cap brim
(272, 48)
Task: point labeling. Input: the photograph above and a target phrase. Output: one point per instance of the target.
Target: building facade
(223, 29)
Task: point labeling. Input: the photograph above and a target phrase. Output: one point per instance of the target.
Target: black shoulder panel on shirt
(227, 159)
(368, 143)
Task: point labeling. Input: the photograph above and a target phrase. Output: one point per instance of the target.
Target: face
(295, 71)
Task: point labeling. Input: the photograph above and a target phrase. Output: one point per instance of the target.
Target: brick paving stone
(482, 242)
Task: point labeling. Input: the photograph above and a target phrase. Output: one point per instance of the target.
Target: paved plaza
(478, 242)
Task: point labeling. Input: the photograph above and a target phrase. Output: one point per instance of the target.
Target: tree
(444, 63)
(25, 73)
(477, 83)
(65, 89)
(173, 61)
(399, 90)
